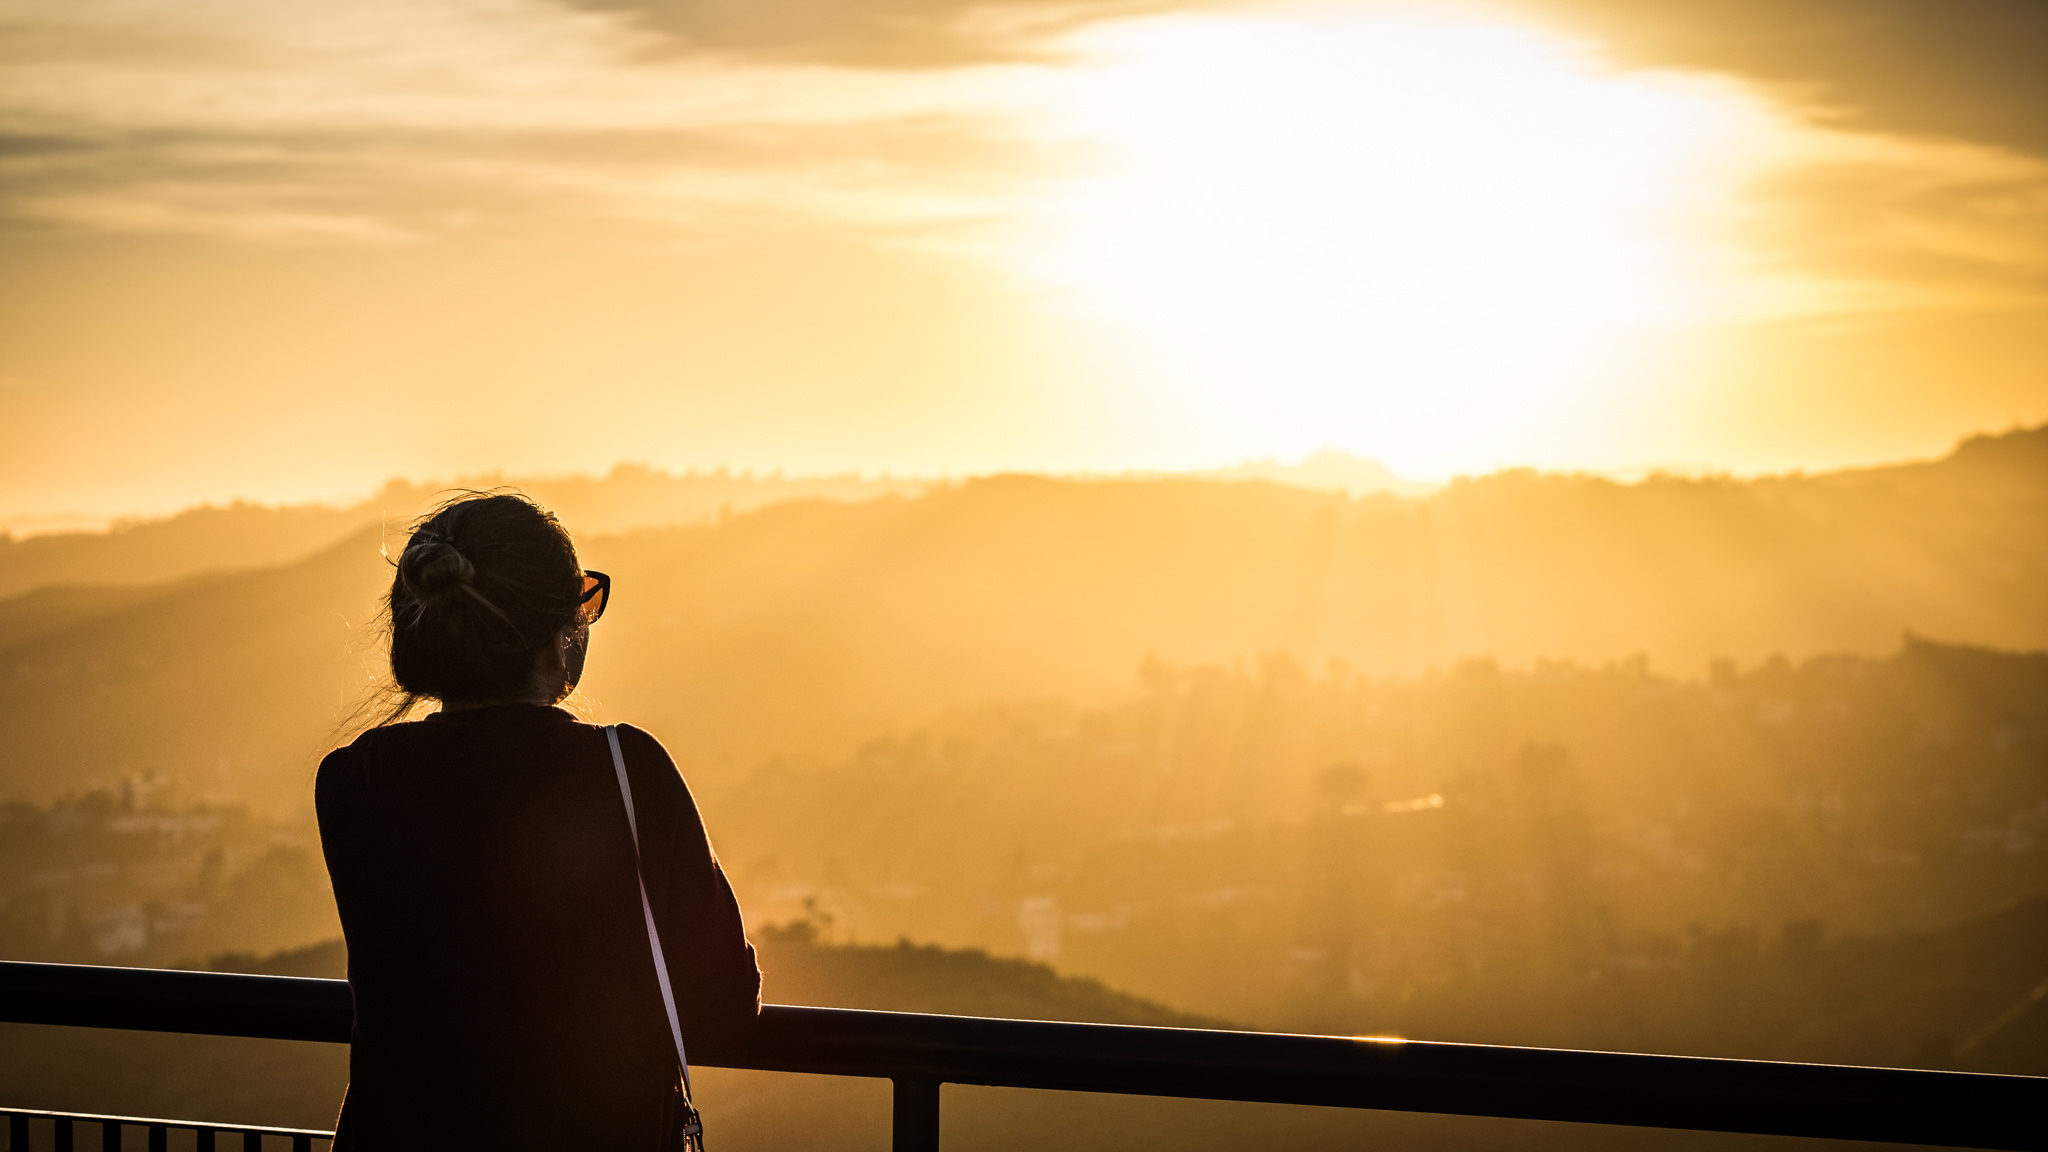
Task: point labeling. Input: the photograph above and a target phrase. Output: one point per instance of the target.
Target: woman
(505, 989)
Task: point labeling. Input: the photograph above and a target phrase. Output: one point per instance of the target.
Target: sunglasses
(597, 592)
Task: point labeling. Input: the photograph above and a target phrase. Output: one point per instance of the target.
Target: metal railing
(65, 1129)
(919, 1053)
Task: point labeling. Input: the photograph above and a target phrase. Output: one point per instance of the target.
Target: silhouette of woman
(505, 988)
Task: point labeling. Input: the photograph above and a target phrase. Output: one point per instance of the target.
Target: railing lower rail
(920, 1053)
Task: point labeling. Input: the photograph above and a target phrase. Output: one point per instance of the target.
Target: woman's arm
(711, 964)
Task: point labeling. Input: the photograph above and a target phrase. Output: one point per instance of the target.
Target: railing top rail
(1888, 1104)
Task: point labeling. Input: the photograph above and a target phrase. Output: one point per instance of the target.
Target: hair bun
(432, 567)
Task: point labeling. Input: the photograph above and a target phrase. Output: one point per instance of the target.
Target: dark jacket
(504, 992)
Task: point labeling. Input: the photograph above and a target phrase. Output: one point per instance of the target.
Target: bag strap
(668, 995)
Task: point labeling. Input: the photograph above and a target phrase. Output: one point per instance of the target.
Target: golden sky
(251, 249)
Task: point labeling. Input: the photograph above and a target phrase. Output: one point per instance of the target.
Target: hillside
(241, 535)
(800, 968)
(1150, 727)
(229, 684)
(244, 535)
(1963, 997)
(811, 620)
(1565, 855)
(1293, 850)
(808, 626)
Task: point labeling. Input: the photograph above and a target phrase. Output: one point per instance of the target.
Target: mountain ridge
(631, 497)
(805, 626)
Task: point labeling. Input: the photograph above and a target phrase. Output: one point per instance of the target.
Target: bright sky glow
(1393, 237)
(258, 251)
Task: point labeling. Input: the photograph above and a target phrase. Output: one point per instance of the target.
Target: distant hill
(1560, 855)
(821, 623)
(130, 553)
(153, 551)
(902, 977)
(1443, 765)
(1329, 470)
(1964, 997)
(229, 684)
(807, 626)
(144, 875)
(250, 535)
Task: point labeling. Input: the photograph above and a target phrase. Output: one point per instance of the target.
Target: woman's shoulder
(384, 742)
(337, 768)
(368, 741)
(353, 752)
(347, 761)
(393, 742)
(646, 755)
(649, 761)
(632, 739)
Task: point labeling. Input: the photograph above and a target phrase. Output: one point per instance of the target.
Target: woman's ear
(574, 645)
(551, 668)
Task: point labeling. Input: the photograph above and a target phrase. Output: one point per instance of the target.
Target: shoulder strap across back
(668, 996)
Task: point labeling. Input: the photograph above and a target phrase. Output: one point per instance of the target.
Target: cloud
(1962, 69)
(905, 178)
(396, 121)
(1954, 225)
(480, 65)
(878, 33)
(391, 122)
(1958, 69)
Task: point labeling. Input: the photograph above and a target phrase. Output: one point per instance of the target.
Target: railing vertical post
(64, 1135)
(915, 1127)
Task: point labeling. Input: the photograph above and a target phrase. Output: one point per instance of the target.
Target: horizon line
(26, 525)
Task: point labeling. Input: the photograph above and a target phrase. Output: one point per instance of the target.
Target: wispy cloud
(383, 121)
(1901, 224)
(1966, 70)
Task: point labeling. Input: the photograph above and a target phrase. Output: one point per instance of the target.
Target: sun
(1406, 239)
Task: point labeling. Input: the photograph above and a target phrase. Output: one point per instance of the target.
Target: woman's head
(486, 603)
